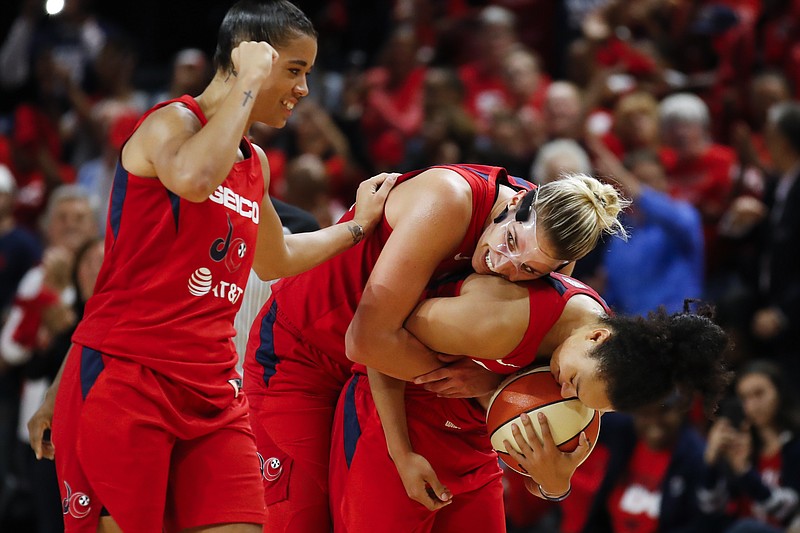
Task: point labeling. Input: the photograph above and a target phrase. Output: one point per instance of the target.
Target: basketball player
(440, 220)
(151, 429)
(442, 456)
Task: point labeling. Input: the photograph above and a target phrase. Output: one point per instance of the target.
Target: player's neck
(580, 311)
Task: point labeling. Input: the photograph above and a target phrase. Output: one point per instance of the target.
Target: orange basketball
(534, 391)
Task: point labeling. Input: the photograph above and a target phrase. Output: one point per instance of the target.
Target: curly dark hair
(647, 359)
(276, 22)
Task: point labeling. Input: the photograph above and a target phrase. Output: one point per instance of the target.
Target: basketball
(534, 391)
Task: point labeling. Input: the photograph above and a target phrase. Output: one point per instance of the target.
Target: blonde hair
(636, 102)
(575, 210)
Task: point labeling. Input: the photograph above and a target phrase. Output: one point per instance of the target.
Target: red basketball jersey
(174, 272)
(320, 304)
(547, 297)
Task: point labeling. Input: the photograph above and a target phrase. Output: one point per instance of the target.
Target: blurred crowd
(690, 107)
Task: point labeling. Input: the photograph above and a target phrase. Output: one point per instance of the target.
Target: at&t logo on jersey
(201, 282)
(228, 291)
(236, 203)
(77, 505)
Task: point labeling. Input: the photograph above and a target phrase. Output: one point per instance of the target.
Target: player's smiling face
(287, 83)
(577, 372)
(515, 250)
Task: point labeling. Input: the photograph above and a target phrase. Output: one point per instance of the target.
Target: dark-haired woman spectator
(753, 465)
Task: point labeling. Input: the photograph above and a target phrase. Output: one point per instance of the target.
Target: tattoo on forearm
(357, 231)
(247, 96)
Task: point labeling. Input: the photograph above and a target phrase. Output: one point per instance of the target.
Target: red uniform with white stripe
(296, 365)
(367, 494)
(146, 401)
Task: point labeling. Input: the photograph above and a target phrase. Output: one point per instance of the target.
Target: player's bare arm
(278, 255)
(475, 323)
(192, 160)
(418, 477)
(429, 216)
(580, 310)
(42, 420)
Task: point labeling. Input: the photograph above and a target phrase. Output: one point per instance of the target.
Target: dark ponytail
(647, 359)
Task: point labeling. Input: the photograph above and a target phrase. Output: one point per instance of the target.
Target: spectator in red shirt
(616, 36)
(36, 145)
(652, 475)
(393, 99)
(527, 83)
(316, 132)
(699, 171)
(494, 40)
(778, 38)
(448, 131)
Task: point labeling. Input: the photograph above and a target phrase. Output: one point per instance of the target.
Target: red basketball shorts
(367, 494)
(129, 444)
(292, 390)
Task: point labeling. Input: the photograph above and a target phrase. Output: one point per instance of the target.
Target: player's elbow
(198, 190)
(357, 346)
(193, 184)
(264, 274)
(264, 270)
(352, 346)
